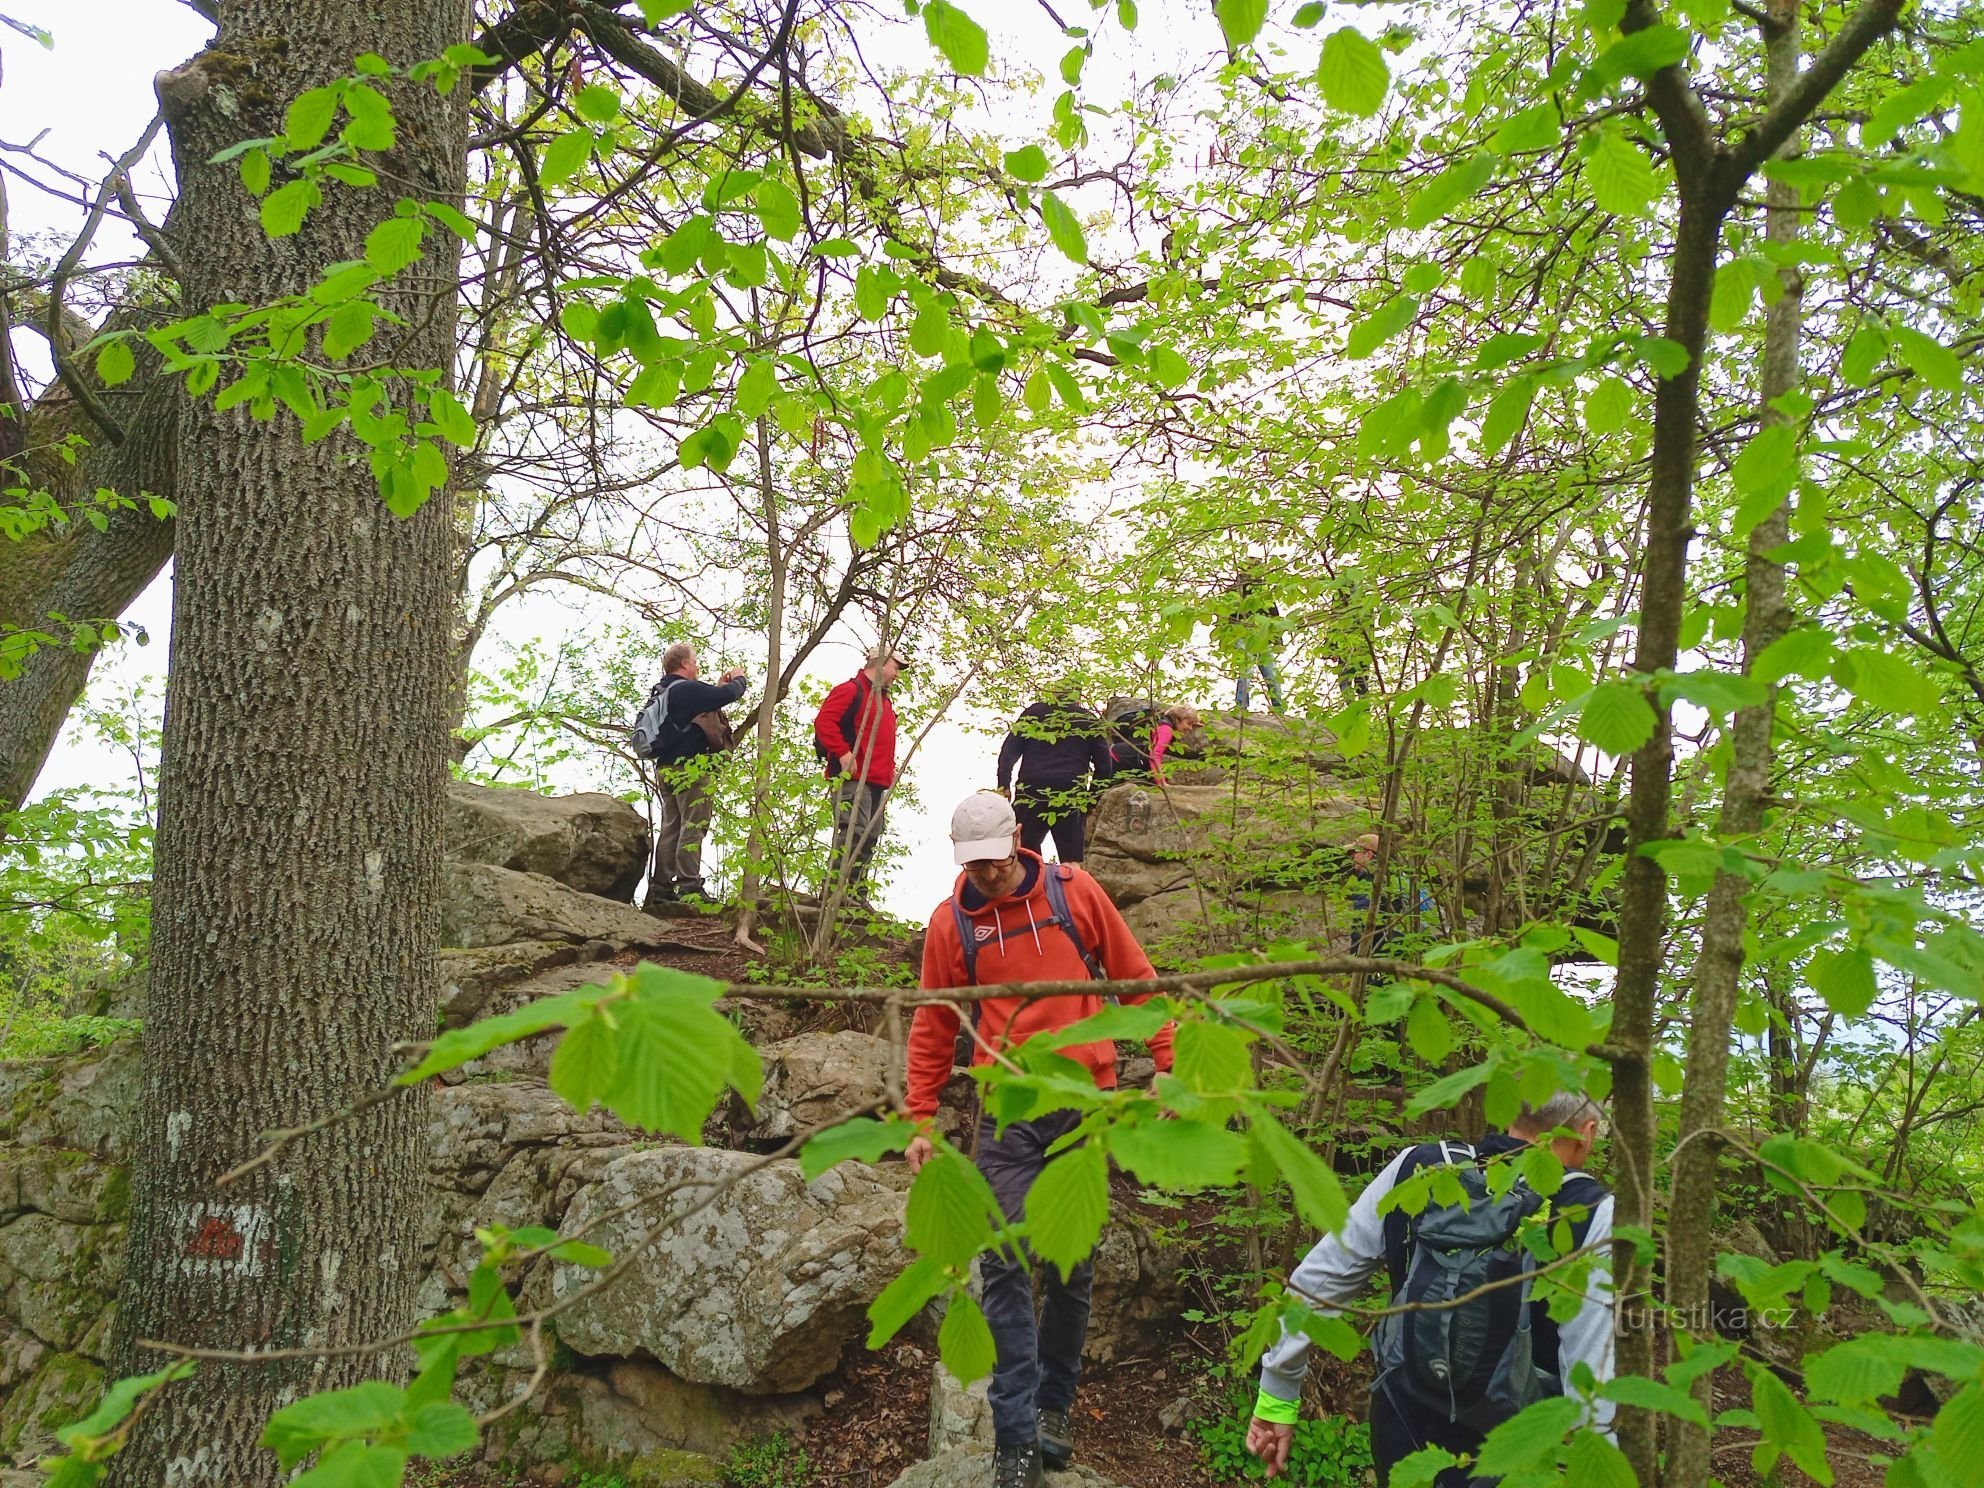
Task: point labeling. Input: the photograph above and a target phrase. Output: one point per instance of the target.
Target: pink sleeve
(1160, 740)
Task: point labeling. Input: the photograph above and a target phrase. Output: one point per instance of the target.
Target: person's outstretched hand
(918, 1152)
(1270, 1441)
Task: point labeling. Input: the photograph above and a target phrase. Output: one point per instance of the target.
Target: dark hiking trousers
(1038, 1364)
(1394, 1438)
(1044, 809)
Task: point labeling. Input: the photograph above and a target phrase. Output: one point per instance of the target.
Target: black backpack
(850, 727)
(1129, 738)
(1471, 1363)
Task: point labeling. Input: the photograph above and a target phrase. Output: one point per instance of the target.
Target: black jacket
(687, 697)
(1054, 744)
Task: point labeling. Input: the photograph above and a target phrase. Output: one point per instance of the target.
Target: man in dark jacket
(1057, 747)
(685, 775)
(854, 733)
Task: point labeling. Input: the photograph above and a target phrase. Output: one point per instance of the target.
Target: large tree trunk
(299, 848)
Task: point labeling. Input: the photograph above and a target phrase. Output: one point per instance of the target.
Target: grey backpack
(1468, 1362)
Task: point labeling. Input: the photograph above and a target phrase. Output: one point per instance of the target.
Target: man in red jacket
(854, 733)
(1012, 920)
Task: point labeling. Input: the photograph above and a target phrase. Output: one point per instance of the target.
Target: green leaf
(1179, 1154)
(1535, 128)
(1352, 73)
(1899, 109)
(1240, 21)
(348, 329)
(903, 1298)
(1028, 164)
(1212, 1058)
(451, 419)
(563, 157)
(1805, 652)
(955, 34)
(1318, 1196)
(1508, 411)
(951, 1213)
(355, 1465)
(1529, 1439)
(1427, 1030)
(1845, 979)
(1063, 227)
(255, 171)
(1452, 186)
(585, 1063)
(395, 243)
(965, 1341)
(1505, 347)
(1934, 362)
(1309, 15)
(1068, 1205)
(1444, 1091)
(1169, 368)
(1593, 1462)
(1038, 393)
(861, 1138)
(1959, 1432)
(459, 1045)
(777, 209)
(308, 118)
(297, 1430)
(1655, 1396)
(1787, 1427)
(369, 125)
(1379, 327)
(597, 103)
(118, 1402)
(1640, 55)
(1617, 718)
(284, 208)
(1864, 354)
(115, 363)
(678, 1055)
(1621, 177)
(1609, 407)
(1883, 680)
(441, 1430)
(872, 291)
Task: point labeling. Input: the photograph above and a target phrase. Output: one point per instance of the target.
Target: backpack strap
(969, 943)
(1057, 904)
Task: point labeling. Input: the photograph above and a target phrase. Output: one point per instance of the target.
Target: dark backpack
(1058, 875)
(1471, 1363)
(658, 737)
(850, 727)
(1129, 738)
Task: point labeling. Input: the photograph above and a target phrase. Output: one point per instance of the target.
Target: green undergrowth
(1328, 1451)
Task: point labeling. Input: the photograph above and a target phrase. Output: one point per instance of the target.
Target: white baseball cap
(982, 827)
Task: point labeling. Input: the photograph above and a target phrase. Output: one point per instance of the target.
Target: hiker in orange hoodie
(1013, 920)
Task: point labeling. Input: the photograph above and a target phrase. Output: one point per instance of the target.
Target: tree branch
(1867, 25)
(1683, 117)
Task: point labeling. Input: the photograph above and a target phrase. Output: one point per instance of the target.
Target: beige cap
(982, 827)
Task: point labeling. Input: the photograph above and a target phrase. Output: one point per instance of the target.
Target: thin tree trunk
(1746, 794)
(761, 772)
(299, 847)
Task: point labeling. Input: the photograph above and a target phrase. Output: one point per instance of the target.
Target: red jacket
(869, 734)
(1019, 943)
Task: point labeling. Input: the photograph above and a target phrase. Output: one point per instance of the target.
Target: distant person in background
(1252, 629)
(1403, 906)
(1057, 749)
(854, 733)
(1140, 737)
(682, 729)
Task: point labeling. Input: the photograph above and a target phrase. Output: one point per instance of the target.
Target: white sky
(91, 96)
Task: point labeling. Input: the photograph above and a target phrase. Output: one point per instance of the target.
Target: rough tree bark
(295, 907)
(761, 781)
(1709, 171)
(1746, 794)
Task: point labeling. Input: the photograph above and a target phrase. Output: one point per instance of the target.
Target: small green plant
(1328, 1451)
(768, 1462)
(599, 1480)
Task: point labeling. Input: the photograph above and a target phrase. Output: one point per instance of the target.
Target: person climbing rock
(1139, 737)
(683, 730)
(854, 733)
(1058, 750)
(1251, 629)
(1404, 906)
(1012, 920)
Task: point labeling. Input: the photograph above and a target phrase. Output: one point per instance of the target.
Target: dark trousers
(1044, 809)
(1038, 1363)
(859, 812)
(1394, 1437)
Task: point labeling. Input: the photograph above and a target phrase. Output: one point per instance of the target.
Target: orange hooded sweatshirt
(1019, 943)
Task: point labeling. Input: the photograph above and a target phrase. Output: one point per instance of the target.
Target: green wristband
(1273, 1408)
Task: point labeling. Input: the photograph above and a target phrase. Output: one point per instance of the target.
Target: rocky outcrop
(960, 1414)
(484, 905)
(973, 1469)
(594, 843)
(762, 1283)
(814, 1080)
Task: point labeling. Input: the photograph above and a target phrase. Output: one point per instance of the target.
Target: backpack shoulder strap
(969, 943)
(1057, 904)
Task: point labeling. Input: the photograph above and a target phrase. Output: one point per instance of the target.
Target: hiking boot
(657, 896)
(1017, 1467)
(1057, 1438)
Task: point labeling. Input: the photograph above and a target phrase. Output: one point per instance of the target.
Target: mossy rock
(63, 1389)
(670, 1469)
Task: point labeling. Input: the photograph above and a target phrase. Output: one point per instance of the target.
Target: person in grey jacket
(1340, 1266)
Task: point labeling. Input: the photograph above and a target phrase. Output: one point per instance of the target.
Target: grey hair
(675, 655)
(1566, 1109)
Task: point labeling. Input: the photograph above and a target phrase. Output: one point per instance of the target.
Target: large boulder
(484, 905)
(814, 1080)
(960, 1414)
(973, 1469)
(759, 1289)
(594, 843)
